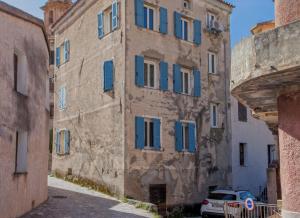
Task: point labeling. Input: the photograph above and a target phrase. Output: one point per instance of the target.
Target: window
(20, 72)
(108, 75)
(212, 63)
(108, 20)
(21, 151)
(186, 81)
(62, 98)
(210, 19)
(63, 53)
(185, 29)
(187, 4)
(149, 17)
(271, 154)
(242, 154)
(147, 133)
(50, 17)
(63, 142)
(185, 136)
(149, 74)
(214, 115)
(242, 112)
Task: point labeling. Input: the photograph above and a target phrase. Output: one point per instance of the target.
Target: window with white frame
(149, 133)
(212, 63)
(62, 98)
(187, 83)
(210, 19)
(149, 17)
(186, 29)
(20, 72)
(187, 4)
(107, 18)
(214, 115)
(21, 151)
(149, 74)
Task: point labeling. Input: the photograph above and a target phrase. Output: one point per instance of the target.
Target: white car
(214, 204)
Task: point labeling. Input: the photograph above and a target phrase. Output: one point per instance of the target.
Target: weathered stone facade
(23, 173)
(102, 125)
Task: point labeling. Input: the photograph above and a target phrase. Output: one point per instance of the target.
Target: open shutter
(178, 136)
(100, 25)
(163, 75)
(156, 125)
(192, 137)
(57, 142)
(163, 28)
(177, 78)
(139, 133)
(67, 142)
(177, 25)
(66, 50)
(139, 71)
(197, 83)
(57, 56)
(139, 13)
(115, 12)
(197, 32)
(108, 69)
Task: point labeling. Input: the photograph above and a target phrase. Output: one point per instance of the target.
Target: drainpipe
(226, 92)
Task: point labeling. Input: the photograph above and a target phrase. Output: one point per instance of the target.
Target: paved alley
(67, 200)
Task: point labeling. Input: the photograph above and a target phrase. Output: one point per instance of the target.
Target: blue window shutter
(197, 32)
(192, 137)
(197, 83)
(139, 71)
(178, 136)
(145, 17)
(177, 78)
(57, 143)
(66, 50)
(139, 133)
(57, 56)
(163, 76)
(115, 12)
(100, 25)
(163, 27)
(108, 77)
(177, 25)
(67, 141)
(139, 13)
(156, 124)
(151, 19)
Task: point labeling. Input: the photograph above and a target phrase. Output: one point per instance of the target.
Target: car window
(222, 196)
(245, 195)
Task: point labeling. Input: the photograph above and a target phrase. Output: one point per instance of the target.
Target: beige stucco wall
(102, 126)
(20, 193)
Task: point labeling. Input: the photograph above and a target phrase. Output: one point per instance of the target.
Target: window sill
(186, 152)
(214, 74)
(62, 155)
(20, 173)
(152, 150)
(21, 94)
(64, 63)
(109, 33)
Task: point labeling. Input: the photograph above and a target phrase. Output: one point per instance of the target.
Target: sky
(245, 15)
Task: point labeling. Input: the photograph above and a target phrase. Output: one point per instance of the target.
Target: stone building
(143, 97)
(266, 77)
(24, 112)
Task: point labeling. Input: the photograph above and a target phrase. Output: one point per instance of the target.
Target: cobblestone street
(67, 200)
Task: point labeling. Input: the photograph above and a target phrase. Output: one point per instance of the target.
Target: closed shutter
(115, 12)
(177, 25)
(163, 28)
(139, 71)
(108, 69)
(67, 142)
(178, 136)
(177, 78)
(57, 143)
(139, 13)
(57, 56)
(192, 137)
(100, 25)
(156, 124)
(67, 50)
(163, 75)
(197, 32)
(197, 83)
(139, 133)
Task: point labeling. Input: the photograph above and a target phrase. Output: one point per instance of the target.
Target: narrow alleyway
(67, 200)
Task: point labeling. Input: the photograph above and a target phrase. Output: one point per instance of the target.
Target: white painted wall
(257, 136)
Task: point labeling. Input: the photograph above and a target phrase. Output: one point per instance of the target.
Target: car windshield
(222, 196)
(245, 195)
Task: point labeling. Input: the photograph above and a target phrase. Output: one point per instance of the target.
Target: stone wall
(21, 192)
(286, 11)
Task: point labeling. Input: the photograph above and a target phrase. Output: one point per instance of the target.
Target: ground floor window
(62, 142)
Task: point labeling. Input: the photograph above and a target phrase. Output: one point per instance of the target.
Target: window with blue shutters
(57, 142)
(148, 133)
(108, 75)
(185, 136)
(100, 25)
(62, 142)
(149, 17)
(62, 98)
(163, 16)
(57, 56)
(163, 75)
